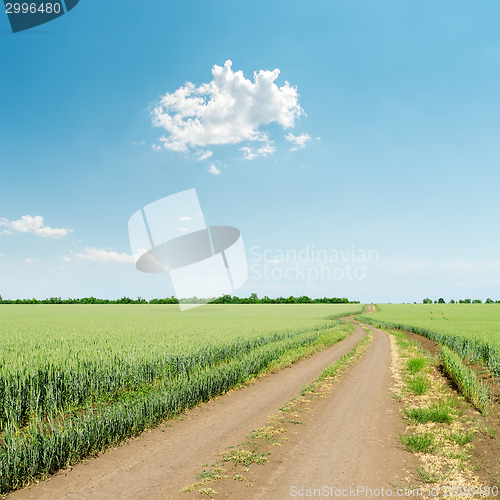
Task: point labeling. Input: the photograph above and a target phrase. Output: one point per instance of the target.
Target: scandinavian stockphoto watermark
(310, 264)
(204, 262)
(24, 15)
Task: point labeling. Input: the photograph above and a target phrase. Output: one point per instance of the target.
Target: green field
(472, 321)
(77, 378)
(471, 330)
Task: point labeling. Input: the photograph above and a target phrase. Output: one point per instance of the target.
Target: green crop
(75, 379)
(465, 379)
(472, 330)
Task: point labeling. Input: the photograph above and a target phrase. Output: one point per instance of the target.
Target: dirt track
(350, 438)
(159, 463)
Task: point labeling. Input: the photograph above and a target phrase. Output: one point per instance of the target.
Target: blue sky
(400, 101)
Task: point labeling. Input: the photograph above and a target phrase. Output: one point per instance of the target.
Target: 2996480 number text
(32, 8)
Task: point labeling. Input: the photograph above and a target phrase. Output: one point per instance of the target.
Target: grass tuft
(418, 384)
(414, 365)
(461, 438)
(418, 443)
(244, 457)
(438, 413)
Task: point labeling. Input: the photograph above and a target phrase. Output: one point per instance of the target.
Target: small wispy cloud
(185, 218)
(214, 170)
(299, 141)
(203, 154)
(250, 153)
(103, 256)
(34, 225)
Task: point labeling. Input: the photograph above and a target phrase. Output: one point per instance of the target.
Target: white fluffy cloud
(299, 141)
(228, 110)
(214, 170)
(251, 153)
(34, 225)
(104, 256)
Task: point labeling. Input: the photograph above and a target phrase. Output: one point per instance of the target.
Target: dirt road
(159, 463)
(350, 439)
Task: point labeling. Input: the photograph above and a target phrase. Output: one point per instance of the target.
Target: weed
(243, 457)
(435, 413)
(461, 438)
(208, 491)
(418, 384)
(429, 477)
(415, 365)
(418, 443)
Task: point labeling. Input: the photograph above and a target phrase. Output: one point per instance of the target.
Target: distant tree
(427, 301)
(441, 300)
(488, 300)
(452, 301)
(304, 299)
(477, 301)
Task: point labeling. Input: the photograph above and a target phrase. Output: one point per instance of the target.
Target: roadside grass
(437, 431)
(436, 412)
(288, 419)
(418, 384)
(461, 438)
(415, 365)
(418, 443)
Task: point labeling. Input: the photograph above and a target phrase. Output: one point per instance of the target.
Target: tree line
(460, 301)
(225, 299)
